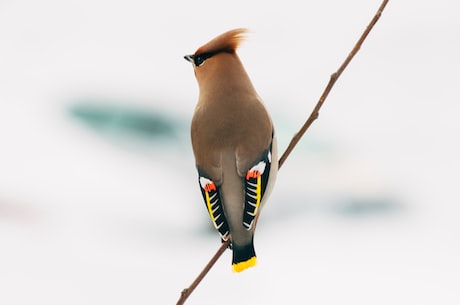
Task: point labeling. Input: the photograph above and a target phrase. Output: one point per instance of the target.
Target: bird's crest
(226, 42)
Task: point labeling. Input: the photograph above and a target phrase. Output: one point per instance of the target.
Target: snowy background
(99, 202)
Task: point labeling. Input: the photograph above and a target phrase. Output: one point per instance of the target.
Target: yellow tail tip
(241, 266)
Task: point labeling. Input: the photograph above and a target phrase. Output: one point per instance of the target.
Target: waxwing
(234, 144)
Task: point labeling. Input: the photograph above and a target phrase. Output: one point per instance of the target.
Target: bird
(234, 145)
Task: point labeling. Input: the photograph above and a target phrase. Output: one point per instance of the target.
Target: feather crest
(226, 42)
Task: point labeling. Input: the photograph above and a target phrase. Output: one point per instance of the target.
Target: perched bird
(234, 144)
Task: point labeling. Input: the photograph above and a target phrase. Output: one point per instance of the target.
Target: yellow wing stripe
(258, 193)
(209, 206)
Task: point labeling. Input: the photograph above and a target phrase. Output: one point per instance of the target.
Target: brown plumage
(233, 143)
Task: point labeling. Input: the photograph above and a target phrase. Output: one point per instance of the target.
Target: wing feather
(255, 184)
(211, 196)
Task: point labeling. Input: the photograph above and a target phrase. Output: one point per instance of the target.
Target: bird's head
(227, 42)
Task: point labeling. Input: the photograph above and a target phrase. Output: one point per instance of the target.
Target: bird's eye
(199, 60)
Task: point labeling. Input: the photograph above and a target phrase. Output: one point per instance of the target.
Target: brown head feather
(226, 42)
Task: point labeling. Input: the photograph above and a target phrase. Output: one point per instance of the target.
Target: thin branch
(334, 77)
(188, 291)
(313, 116)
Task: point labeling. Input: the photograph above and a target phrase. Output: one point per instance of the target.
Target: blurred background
(99, 202)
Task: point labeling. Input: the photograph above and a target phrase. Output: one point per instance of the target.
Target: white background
(365, 210)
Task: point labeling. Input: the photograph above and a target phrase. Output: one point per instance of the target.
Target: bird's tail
(243, 257)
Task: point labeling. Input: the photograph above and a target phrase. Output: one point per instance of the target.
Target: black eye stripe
(200, 58)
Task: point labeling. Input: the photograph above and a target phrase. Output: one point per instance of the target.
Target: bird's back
(229, 114)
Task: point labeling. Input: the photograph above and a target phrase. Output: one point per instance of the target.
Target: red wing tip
(252, 174)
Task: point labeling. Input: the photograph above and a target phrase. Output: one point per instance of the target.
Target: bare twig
(187, 291)
(313, 116)
(334, 77)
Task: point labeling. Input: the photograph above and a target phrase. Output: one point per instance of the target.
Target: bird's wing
(211, 196)
(255, 184)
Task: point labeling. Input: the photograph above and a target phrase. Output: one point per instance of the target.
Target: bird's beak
(189, 58)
